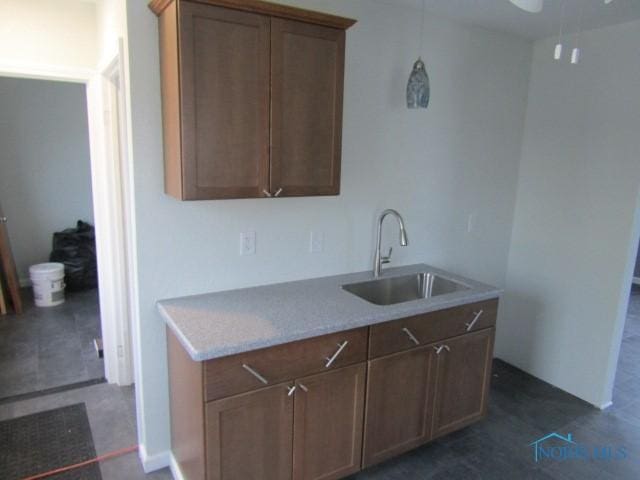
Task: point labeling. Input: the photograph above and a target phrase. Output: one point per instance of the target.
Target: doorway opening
(47, 201)
(111, 197)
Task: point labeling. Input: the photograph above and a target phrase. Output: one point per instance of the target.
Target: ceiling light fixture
(418, 90)
(533, 6)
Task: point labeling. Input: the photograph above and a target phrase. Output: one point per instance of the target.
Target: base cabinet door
(462, 381)
(249, 436)
(328, 424)
(399, 401)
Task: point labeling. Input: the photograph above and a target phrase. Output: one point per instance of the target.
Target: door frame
(112, 182)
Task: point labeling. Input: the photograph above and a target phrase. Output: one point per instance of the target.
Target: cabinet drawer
(249, 371)
(411, 332)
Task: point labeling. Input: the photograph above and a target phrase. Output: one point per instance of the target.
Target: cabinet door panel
(399, 400)
(307, 64)
(249, 436)
(462, 384)
(224, 67)
(328, 424)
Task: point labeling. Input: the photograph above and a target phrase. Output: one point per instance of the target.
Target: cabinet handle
(291, 390)
(255, 374)
(303, 388)
(266, 193)
(475, 319)
(411, 336)
(440, 348)
(332, 359)
(278, 192)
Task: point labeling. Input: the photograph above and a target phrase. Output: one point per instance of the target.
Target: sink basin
(388, 291)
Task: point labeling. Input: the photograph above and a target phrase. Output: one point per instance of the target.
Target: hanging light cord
(562, 11)
(421, 30)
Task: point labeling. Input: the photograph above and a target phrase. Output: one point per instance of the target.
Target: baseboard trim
(604, 406)
(151, 463)
(175, 468)
(636, 280)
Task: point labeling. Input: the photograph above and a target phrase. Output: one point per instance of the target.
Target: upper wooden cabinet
(252, 99)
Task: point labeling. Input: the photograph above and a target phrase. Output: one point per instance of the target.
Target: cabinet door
(224, 72)
(248, 437)
(399, 400)
(307, 65)
(328, 424)
(462, 381)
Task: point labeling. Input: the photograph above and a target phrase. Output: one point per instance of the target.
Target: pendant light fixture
(418, 90)
(533, 6)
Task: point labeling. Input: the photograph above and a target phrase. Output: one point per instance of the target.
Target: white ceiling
(502, 15)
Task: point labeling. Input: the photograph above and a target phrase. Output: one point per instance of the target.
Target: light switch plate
(248, 243)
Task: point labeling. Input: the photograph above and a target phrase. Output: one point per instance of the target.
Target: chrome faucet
(379, 260)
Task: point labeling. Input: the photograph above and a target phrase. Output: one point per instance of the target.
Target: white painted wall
(573, 236)
(45, 180)
(59, 34)
(436, 167)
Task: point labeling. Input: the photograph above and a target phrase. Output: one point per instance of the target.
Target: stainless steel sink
(388, 291)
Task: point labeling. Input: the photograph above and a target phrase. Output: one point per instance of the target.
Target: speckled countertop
(218, 324)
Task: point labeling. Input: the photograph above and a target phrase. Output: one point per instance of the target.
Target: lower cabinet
(400, 391)
(327, 427)
(249, 436)
(307, 430)
(462, 381)
(418, 395)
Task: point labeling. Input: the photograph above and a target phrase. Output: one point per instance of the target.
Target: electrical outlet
(248, 243)
(316, 242)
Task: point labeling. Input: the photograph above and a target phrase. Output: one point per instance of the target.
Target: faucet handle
(387, 259)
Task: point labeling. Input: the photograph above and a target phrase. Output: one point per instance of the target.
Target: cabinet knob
(333, 357)
(278, 192)
(255, 374)
(4, 219)
(475, 319)
(411, 336)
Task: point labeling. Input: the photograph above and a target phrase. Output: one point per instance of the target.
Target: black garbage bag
(76, 249)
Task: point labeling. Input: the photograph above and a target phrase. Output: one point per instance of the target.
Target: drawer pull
(291, 390)
(255, 374)
(266, 193)
(335, 355)
(411, 336)
(303, 388)
(475, 319)
(440, 348)
(278, 192)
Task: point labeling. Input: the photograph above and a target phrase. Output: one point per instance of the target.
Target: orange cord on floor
(106, 456)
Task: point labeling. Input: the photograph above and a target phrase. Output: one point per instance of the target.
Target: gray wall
(45, 171)
(436, 166)
(573, 233)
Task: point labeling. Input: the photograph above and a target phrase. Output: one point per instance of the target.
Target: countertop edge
(217, 352)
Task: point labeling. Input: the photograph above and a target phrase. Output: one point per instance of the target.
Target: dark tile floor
(50, 347)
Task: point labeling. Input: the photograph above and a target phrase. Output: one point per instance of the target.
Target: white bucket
(48, 284)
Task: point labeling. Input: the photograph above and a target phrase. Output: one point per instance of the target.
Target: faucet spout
(378, 259)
